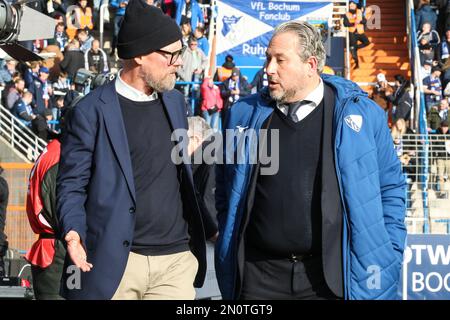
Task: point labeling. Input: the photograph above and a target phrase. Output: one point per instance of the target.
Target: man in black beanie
(128, 213)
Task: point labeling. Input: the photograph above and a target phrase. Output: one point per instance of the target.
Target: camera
(86, 80)
(21, 23)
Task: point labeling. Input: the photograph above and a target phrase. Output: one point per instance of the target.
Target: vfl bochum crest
(354, 122)
(245, 27)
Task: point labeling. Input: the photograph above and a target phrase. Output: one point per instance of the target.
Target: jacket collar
(116, 129)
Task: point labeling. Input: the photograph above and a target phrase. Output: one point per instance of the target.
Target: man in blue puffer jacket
(191, 10)
(120, 6)
(324, 218)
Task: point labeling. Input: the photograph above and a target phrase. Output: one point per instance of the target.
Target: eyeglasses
(173, 55)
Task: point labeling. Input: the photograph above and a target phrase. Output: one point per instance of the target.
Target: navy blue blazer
(96, 193)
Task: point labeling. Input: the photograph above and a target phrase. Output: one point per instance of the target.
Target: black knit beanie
(145, 29)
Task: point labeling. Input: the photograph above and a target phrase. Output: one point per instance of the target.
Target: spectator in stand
(47, 254)
(260, 80)
(60, 18)
(433, 119)
(15, 93)
(73, 59)
(62, 85)
(7, 71)
(212, 103)
(4, 194)
(441, 147)
(81, 20)
(425, 70)
(224, 72)
(186, 30)
(405, 147)
(194, 64)
(355, 21)
(60, 39)
(380, 91)
(446, 12)
(444, 113)
(443, 7)
(203, 43)
(404, 104)
(433, 88)
(398, 98)
(426, 14)
(41, 126)
(23, 110)
(57, 111)
(96, 13)
(426, 52)
(191, 10)
(56, 8)
(41, 91)
(95, 59)
(443, 52)
(31, 73)
(429, 34)
(85, 40)
(168, 7)
(38, 5)
(234, 88)
(119, 6)
(38, 45)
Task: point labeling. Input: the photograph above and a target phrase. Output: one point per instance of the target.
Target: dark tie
(293, 107)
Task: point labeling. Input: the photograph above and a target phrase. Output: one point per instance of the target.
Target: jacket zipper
(242, 205)
(347, 234)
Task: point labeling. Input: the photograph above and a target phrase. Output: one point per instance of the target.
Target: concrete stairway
(388, 51)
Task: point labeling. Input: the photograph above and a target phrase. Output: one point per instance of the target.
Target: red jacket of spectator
(210, 95)
(41, 205)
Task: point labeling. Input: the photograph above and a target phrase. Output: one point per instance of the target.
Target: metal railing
(420, 120)
(17, 135)
(418, 113)
(426, 166)
(103, 9)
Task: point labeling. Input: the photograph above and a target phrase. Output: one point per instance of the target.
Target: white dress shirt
(133, 94)
(315, 97)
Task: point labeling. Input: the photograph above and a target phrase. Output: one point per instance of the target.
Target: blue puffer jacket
(371, 184)
(197, 14)
(426, 14)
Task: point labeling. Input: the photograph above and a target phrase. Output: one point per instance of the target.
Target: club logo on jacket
(241, 128)
(354, 122)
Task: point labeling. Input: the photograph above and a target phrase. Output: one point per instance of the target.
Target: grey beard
(283, 96)
(160, 85)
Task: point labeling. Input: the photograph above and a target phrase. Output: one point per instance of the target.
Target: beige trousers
(443, 169)
(168, 277)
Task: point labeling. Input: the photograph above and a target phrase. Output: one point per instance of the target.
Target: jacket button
(356, 100)
(132, 210)
(126, 244)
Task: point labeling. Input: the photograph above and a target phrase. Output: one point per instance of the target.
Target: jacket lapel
(116, 131)
(174, 108)
(330, 202)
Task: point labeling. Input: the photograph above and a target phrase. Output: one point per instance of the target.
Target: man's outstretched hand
(77, 252)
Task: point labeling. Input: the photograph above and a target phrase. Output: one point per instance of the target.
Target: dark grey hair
(198, 126)
(309, 39)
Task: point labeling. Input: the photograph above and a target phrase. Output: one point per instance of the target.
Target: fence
(18, 230)
(426, 165)
(25, 143)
